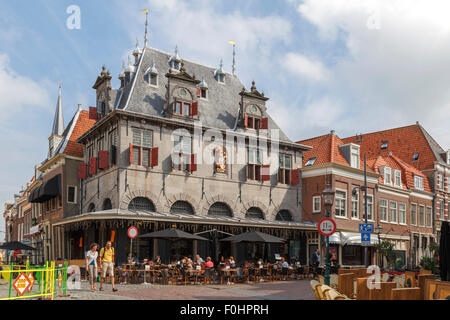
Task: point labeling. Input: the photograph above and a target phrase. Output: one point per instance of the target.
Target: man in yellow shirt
(107, 264)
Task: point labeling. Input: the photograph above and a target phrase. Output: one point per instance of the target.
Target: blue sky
(354, 66)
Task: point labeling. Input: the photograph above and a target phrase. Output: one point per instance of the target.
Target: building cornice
(338, 169)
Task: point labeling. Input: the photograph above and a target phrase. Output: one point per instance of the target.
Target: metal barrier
(35, 281)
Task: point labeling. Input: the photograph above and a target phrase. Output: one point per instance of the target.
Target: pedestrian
(316, 258)
(107, 263)
(91, 264)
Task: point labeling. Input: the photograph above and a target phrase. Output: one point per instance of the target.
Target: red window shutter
(199, 92)
(246, 120)
(265, 173)
(103, 159)
(154, 157)
(93, 113)
(194, 111)
(131, 153)
(193, 163)
(265, 123)
(92, 166)
(82, 170)
(295, 177)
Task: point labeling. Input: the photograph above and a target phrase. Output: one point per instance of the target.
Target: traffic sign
(21, 284)
(132, 232)
(365, 238)
(31, 279)
(366, 227)
(327, 227)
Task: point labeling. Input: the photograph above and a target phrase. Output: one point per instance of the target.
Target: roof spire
(146, 27)
(233, 66)
(58, 120)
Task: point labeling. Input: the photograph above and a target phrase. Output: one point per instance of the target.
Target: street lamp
(328, 200)
(378, 229)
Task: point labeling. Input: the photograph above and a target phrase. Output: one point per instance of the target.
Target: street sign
(365, 227)
(365, 238)
(21, 284)
(31, 279)
(327, 227)
(132, 232)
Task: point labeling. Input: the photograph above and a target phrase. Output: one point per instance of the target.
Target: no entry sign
(132, 232)
(327, 227)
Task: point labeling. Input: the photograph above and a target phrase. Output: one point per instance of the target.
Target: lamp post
(378, 228)
(328, 200)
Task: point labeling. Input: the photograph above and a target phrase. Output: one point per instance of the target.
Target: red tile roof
(404, 142)
(82, 125)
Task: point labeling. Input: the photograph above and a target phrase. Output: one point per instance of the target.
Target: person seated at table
(232, 262)
(248, 264)
(284, 263)
(208, 264)
(157, 260)
(198, 259)
(189, 266)
(222, 260)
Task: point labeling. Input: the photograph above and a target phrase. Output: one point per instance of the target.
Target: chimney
(332, 132)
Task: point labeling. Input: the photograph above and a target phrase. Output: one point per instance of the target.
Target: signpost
(132, 233)
(365, 229)
(21, 284)
(327, 227)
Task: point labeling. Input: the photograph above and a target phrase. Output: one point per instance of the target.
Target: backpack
(103, 250)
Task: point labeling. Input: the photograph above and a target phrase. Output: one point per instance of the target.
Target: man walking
(107, 263)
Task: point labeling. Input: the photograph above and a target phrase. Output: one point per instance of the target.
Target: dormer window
(398, 178)
(175, 61)
(448, 157)
(384, 145)
(151, 75)
(310, 162)
(221, 78)
(219, 74)
(175, 65)
(387, 175)
(253, 118)
(418, 182)
(202, 89)
(354, 157)
(415, 157)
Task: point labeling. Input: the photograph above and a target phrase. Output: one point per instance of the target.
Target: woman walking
(91, 264)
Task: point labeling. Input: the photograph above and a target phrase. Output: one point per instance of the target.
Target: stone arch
(91, 207)
(217, 198)
(130, 195)
(107, 204)
(181, 197)
(257, 204)
(141, 204)
(295, 213)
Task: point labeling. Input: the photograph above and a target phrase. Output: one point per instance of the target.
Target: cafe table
(228, 274)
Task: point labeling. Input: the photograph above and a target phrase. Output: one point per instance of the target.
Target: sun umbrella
(172, 234)
(254, 236)
(15, 245)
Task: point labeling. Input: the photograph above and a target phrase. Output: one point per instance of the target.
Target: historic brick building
(186, 145)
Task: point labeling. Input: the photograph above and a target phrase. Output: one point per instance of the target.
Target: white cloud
(397, 66)
(17, 92)
(305, 67)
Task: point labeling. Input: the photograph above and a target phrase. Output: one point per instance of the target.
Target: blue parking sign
(366, 227)
(365, 237)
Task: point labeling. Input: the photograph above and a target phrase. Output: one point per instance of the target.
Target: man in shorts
(107, 263)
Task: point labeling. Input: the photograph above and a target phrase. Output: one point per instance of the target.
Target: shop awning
(335, 238)
(50, 189)
(354, 238)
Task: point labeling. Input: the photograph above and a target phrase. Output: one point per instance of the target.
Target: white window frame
(429, 213)
(398, 175)
(354, 151)
(441, 209)
(413, 205)
(357, 206)
(315, 209)
(440, 181)
(341, 199)
(418, 182)
(419, 222)
(387, 210)
(402, 213)
(370, 208)
(391, 209)
(387, 171)
(311, 161)
(75, 195)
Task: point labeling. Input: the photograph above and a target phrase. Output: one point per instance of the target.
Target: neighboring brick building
(331, 162)
(414, 145)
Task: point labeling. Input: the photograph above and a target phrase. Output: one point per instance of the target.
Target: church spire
(58, 121)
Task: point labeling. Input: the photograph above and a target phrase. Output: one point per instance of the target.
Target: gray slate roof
(219, 111)
(435, 147)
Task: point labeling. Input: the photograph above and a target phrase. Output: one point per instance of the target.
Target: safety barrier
(41, 282)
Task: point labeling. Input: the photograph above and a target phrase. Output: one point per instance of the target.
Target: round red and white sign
(327, 227)
(132, 232)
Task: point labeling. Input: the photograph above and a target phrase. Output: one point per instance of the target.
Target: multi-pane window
(402, 213)
(422, 216)
(100, 144)
(369, 207)
(383, 210)
(418, 182)
(182, 152)
(441, 209)
(142, 144)
(354, 157)
(71, 194)
(393, 211)
(253, 122)
(316, 204)
(413, 214)
(90, 151)
(182, 108)
(428, 217)
(341, 204)
(254, 164)
(284, 173)
(387, 175)
(398, 178)
(440, 181)
(355, 205)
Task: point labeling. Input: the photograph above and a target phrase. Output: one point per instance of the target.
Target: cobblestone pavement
(279, 290)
